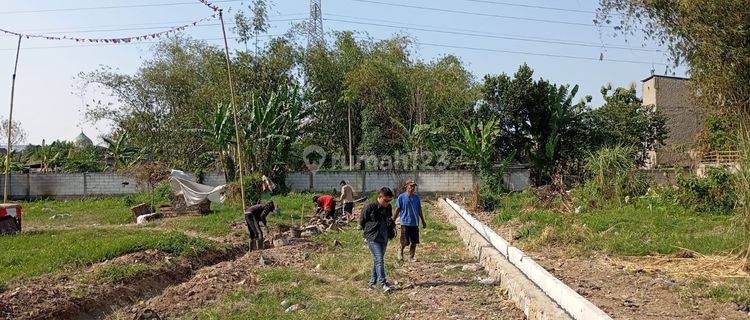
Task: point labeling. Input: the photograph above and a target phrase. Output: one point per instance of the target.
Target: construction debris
(472, 267)
(280, 242)
(139, 210)
(147, 217)
(295, 307)
(147, 314)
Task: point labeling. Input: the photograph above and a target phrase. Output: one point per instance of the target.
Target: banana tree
(47, 156)
(550, 130)
(476, 144)
(120, 152)
(218, 134)
(273, 124)
(418, 136)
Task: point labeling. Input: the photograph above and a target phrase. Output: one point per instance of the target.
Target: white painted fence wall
(449, 181)
(77, 185)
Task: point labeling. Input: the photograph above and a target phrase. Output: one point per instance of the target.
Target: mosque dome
(82, 141)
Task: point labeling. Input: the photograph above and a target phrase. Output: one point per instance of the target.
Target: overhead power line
(477, 13)
(112, 7)
(550, 55)
(499, 36)
(536, 53)
(418, 43)
(531, 6)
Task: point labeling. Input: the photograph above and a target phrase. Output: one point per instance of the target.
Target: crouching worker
(378, 227)
(254, 217)
(327, 204)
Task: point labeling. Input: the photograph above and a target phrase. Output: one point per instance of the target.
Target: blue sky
(48, 102)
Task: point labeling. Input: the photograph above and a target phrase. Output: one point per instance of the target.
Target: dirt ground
(654, 287)
(210, 284)
(429, 290)
(436, 289)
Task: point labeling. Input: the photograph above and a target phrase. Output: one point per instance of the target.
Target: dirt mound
(82, 296)
(212, 283)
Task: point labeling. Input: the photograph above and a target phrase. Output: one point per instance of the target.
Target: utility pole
(9, 147)
(315, 36)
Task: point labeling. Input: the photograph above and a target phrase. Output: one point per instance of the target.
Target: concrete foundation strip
(561, 296)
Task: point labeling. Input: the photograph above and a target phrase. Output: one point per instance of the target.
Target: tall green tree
(623, 120)
(272, 126)
(540, 120)
(711, 38)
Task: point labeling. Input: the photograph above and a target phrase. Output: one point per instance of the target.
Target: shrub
(162, 191)
(712, 194)
(253, 185)
(488, 199)
(129, 201)
(613, 175)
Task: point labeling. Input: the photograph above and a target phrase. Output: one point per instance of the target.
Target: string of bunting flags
(156, 35)
(210, 5)
(112, 40)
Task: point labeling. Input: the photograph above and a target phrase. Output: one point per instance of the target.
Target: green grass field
(644, 226)
(62, 236)
(40, 252)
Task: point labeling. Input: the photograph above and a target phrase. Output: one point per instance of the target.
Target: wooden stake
(10, 124)
(234, 111)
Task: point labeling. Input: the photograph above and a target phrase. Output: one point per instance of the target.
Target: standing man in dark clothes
(374, 221)
(347, 199)
(254, 217)
(409, 210)
(327, 204)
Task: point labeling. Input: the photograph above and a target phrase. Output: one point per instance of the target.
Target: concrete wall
(77, 185)
(673, 97)
(451, 181)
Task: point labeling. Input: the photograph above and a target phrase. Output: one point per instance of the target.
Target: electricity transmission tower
(316, 37)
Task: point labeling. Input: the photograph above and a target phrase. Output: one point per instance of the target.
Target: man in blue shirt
(409, 211)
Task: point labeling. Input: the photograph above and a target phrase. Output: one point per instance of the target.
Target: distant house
(685, 119)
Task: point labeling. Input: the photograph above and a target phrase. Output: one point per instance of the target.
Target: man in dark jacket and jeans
(375, 220)
(254, 217)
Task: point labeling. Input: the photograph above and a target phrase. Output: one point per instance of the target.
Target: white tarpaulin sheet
(194, 192)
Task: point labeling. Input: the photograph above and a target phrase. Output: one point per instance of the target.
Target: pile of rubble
(313, 226)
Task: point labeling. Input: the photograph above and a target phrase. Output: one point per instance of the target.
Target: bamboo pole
(234, 112)
(10, 124)
(349, 117)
